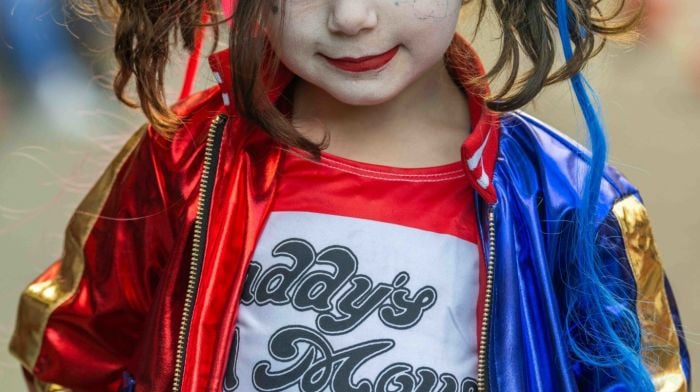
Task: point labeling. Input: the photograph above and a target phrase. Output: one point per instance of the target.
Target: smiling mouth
(362, 64)
(359, 59)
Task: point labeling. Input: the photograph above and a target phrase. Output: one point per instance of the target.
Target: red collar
(480, 149)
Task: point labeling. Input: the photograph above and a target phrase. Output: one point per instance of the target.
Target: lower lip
(365, 65)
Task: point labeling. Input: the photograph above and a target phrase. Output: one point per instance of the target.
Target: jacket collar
(479, 150)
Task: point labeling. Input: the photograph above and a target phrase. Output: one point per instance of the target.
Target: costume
(167, 230)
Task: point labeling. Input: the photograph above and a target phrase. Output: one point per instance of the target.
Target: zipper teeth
(483, 349)
(196, 253)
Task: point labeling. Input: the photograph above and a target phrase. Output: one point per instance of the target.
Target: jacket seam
(585, 155)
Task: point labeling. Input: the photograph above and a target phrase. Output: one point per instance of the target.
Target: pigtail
(529, 29)
(603, 330)
(145, 31)
(248, 49)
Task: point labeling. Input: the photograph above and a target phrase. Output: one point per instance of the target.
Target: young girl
(352, 209)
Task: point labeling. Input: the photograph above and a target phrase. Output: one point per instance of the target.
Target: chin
(362, 100)
(361, 95)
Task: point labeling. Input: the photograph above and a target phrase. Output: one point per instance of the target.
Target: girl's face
(315, 29)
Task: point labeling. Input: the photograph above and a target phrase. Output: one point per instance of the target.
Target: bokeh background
(60, 126)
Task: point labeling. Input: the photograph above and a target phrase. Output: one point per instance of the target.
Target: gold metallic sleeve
(660, 342)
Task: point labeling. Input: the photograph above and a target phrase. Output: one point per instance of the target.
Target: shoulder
(196, 113)
(186, 147)
(535, 154)
(153, 171)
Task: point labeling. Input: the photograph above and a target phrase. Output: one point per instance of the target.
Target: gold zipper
(482, 374)
(205, 186)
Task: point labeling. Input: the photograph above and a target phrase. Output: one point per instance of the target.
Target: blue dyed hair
(604, 331)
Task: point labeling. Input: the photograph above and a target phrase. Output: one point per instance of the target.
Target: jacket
(140, 299)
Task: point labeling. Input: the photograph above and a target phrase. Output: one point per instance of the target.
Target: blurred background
(60, 126)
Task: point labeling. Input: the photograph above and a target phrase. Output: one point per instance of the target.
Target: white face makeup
(421, 29)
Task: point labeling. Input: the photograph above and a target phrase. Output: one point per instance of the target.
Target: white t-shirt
(364, 278)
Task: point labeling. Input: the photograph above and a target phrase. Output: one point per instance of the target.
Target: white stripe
(474, 160)
(227, 100)
(484, 180)
(217, 76)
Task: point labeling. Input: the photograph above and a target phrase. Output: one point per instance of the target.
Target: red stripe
(433, 199)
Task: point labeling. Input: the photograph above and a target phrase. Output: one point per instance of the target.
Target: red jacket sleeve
(77, 321)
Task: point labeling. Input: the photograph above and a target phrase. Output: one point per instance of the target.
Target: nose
(349, 17)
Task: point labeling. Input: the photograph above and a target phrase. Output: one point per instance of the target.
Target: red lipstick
(363, 64)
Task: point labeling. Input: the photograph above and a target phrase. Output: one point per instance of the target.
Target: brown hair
(145, 30)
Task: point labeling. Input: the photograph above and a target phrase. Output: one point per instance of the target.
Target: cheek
(428, 16)
(288, 43)
(432, 22)
(297, 52)
(300, 28)
(432, 9)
